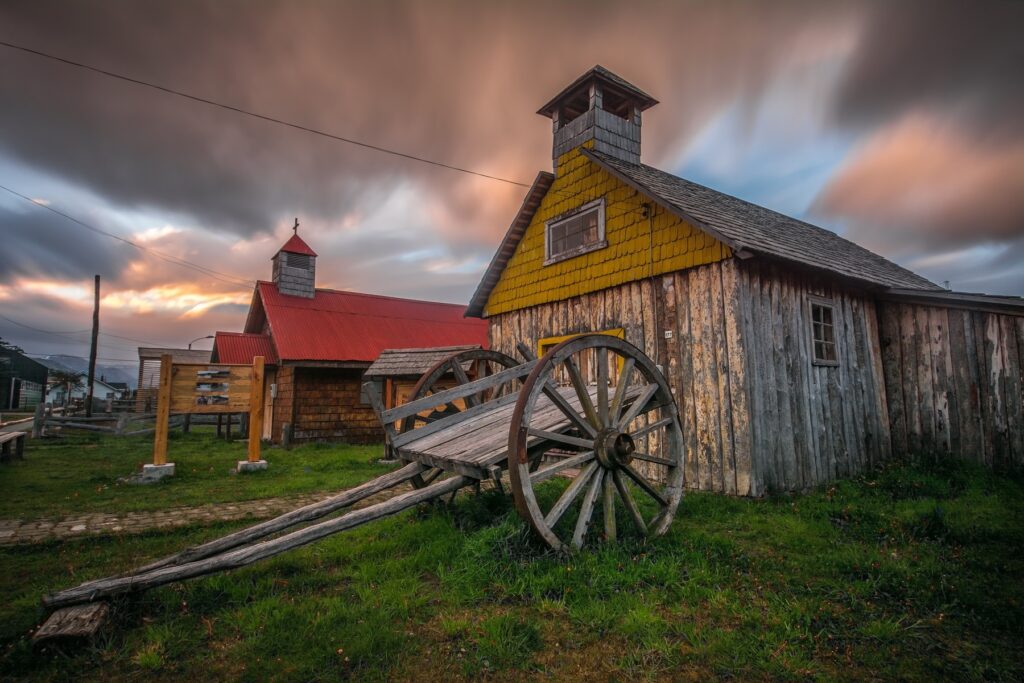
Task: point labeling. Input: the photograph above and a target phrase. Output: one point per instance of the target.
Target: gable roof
(296, 245)
(404, 362)
(241, 347)
(743, 226)
(746, 226)
(540, 187)
(353, 327)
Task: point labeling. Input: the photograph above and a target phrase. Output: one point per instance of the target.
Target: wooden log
(304, 514)
(240, 557)
(736, 294)
(38, 420)
(256, 410)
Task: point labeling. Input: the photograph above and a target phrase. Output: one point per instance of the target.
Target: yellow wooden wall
(677, 245)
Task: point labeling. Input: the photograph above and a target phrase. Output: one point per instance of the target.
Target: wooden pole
(92, 347)
(37, 421)
(163, 411)
(256, 409)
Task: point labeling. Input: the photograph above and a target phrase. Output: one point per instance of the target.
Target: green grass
(79, 474)
(910, 573)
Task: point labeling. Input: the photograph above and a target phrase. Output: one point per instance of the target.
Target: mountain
(110, 373)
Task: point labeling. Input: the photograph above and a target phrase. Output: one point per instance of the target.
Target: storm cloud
(906, 117)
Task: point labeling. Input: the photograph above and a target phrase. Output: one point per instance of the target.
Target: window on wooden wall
(578, 233)
(823, 332)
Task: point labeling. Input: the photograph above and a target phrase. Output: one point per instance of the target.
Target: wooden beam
(163, 411)
(256, 409)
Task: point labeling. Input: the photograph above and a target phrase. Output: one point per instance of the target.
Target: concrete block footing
(154, 473)
(246, 466)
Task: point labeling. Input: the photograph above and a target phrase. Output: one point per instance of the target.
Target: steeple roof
(296, 245)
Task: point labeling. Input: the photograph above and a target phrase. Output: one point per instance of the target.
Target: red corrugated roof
(350, 326)
(239, 347)
(296, 245)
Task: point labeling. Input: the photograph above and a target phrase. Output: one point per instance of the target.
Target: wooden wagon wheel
(484, 362)
(623, 422)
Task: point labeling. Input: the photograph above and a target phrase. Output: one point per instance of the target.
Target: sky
(898, 125)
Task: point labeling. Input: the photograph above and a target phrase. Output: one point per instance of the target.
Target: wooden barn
(317, 343)
(795, 355)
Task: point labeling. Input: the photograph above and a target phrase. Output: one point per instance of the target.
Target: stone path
(16, 531)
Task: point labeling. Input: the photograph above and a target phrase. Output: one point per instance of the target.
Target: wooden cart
(592, 423)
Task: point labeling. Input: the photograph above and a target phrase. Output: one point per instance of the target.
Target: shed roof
(178, 355)
(408, 362)
(241, 348)
(336, 326)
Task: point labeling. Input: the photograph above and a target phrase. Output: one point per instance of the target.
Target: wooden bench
(12, 442)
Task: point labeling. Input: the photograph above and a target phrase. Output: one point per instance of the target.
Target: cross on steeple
(295, 228)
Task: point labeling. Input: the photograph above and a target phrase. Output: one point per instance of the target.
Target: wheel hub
(614, 448)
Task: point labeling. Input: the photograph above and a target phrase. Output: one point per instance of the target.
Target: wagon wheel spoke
(627, 500)
(581, 392)
(646, 457)
(620, 390)
(638, 406)
(608, 505)
(560, 466)
(602, 387)
(569, 495)
(567, 439)
(563, 405)
(587, 509)
(647, 486)
(462, 378)
(647, 429)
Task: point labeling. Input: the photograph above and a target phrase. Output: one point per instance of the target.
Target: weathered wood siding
(703, 359)
(757, 414)
(810, 424)
(954, 384)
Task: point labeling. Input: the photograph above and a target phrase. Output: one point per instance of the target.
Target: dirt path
(17, 531)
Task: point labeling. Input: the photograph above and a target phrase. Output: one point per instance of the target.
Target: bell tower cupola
(295, 267)
(602, 107)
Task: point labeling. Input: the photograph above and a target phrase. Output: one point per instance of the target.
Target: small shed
(22, 380)
(396, 371)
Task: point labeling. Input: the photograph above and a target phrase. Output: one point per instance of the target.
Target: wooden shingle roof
(746, 226)
(411, 362)
(748, 229)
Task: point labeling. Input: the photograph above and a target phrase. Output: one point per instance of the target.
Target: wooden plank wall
(703, 360)
(810, 424)
(954, 382)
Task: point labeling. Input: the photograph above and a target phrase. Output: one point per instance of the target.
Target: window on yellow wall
(580, 232)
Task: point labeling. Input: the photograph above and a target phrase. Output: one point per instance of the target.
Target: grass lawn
(79, 474)
(909, 573)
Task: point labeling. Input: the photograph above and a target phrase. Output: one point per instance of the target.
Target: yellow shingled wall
(526, 281)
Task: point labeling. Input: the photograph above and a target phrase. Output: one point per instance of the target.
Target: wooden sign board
(209, 388)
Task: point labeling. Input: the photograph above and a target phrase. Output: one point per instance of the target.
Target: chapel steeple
(295, 267)
(602, 107)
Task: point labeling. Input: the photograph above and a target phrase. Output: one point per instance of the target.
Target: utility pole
(92, 348)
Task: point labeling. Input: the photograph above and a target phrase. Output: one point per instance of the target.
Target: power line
(217, 275)
(115, 360)
(63, 333)
(263, 117)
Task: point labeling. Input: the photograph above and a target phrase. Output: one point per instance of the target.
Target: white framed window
(823, 331)
(577, 233)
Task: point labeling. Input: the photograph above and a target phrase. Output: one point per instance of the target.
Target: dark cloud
(42, 245)
(456, 82)
(963, 57)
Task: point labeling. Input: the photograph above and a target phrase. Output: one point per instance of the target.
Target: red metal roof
(239, 347)
(355, 327)
(296, 245)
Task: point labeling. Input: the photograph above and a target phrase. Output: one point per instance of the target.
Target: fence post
(122, 423)
(38, 420)
(163, 411)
